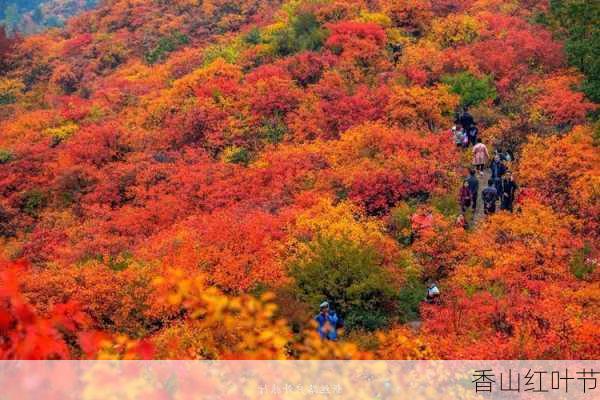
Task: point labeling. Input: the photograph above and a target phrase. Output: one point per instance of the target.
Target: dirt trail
(483, 179)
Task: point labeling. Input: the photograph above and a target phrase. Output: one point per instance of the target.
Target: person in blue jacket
(328, 322)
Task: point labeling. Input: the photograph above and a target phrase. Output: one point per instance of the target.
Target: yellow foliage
(63, 131)
(376, 18)
(219, 68)
(400, 343)
(342, 221)
(9, 90)
(454, 30)
(230, 327)
(120, 347)
(242, 327)
(422, 107)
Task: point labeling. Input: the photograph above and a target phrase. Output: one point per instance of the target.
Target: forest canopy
(192, 179)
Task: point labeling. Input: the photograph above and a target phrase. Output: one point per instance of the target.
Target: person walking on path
(460, 137)
(497, 169)
(464, 196)
(327, 322)
(480, 156)
(473, 184)
(509, 189)
(472, 134)
(466, 120)
(490, 197)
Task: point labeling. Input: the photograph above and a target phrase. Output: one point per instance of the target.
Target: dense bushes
(577, 21)
(471, 89)
(351, 278)
(165, 45)
(304, 33)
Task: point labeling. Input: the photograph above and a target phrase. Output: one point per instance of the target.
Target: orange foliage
(221, 138)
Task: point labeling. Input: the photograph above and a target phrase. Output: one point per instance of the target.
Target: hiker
(489, 196)
(459, 136)
(328, 322)
(472, 134)
(433, 293)
(480, 156)
(464, 196)
(466, 120)
(473, 183)
(504, 155)
(498, 169)
(509, 189)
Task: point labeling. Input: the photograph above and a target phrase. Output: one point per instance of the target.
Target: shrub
(230, 53)
(351, 278)
(400, 224)
(447, 205)
(63, 131)
(410, 297)
(472, 90)
(165, 45)
(32, 202)
(9, 90)
(253, 37)
(273, 130)
(580, 264)
(412, 291)
(6, 156)
(236, 155)
(304, 33)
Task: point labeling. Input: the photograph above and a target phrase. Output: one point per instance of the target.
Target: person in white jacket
(432, 292)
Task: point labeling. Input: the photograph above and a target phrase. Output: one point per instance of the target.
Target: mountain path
(483, 179)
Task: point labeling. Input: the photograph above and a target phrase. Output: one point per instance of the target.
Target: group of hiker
(501, 188)
(466, 131)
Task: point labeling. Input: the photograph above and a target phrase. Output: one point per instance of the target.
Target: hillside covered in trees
(27, 16)
(192, 178)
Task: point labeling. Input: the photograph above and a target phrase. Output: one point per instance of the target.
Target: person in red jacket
(465, 196)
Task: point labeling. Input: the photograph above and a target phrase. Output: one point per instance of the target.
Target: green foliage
(253, 37)
(273, 130)
(36, 74)
(412, 292)
(32, 202)
(351, 278)
(400, 224)
(6, 156)
(596, 134)
(165, 45)
(229, 53)
(121, 261)
(236, 155)
(447, 205)
(304, 33)
(472, 90)
(577, 21)
(581, 266)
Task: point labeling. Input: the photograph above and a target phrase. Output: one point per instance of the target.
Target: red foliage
(26, 335)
